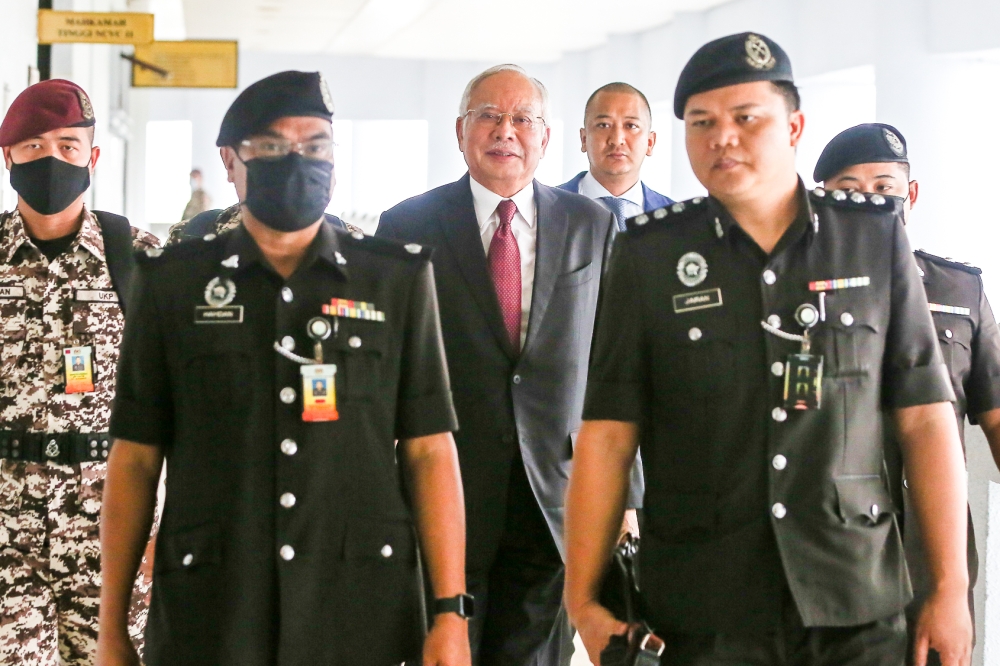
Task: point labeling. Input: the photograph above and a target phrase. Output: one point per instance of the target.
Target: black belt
(67, 448)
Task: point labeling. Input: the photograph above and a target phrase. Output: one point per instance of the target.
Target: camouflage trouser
(50, 567)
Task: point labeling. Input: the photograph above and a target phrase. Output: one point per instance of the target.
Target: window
(168, 170)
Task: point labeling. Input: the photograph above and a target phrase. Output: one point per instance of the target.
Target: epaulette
(672, 213)
(188, 250)
(948, 261)
(385, 245)
(856, 200)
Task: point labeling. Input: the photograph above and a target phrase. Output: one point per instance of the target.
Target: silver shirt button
(779, 511)
(287, 500)
(287, 395)
(774, 320)
(694, 334)
(354, 342)
(287, 295)
(779, 462)
(188, 559)
(777, 368)
(288, 343)
(779, 414)
(289, 447)
(386, 551)
(847, 319)
(769, 277)
(517, 379)
(874, 510)
(287, 553)
(948, 334)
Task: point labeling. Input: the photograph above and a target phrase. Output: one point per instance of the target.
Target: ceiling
(491, 30)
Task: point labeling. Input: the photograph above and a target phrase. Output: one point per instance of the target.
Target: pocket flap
(355, 336)
(573, 278)
(388, 541)
(864, 497)
(189, 548)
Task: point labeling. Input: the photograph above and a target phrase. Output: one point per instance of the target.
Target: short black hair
(617, 87)
(90, 135)
(788, 90)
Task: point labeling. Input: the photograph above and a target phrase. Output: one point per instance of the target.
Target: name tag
(949, 309)
(223, 314)
(96, 296)
(12, 292)
(698, 300)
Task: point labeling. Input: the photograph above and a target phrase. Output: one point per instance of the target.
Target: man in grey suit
(517, 267)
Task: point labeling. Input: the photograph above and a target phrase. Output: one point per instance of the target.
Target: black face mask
(290, 193)
(49, 185)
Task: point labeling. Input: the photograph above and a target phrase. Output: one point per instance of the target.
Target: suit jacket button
(517, 379)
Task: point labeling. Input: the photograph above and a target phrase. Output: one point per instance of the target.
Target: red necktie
(505, 268)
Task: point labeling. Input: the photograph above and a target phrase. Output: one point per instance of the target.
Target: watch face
(468, 606)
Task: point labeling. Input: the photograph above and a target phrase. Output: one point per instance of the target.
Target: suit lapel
(461, 231)
(553, 226)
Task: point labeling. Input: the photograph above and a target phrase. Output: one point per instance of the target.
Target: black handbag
(620, 594)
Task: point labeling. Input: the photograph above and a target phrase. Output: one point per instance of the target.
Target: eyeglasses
(520, 120)
(269, 148)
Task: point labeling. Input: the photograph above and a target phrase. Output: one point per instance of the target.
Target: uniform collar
(806, 221)
(89, 237)
(241, 251)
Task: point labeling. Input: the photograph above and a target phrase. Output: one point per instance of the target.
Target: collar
(240, 251)
(12, 227)
(591, 188)
(806, 220)
(486, 202)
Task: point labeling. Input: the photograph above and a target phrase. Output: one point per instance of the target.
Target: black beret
(728, 61)
(862, 144)
(277, 96)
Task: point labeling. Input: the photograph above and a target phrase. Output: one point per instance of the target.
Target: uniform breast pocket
(855, 341)
(360, 350)
(12, 328)
(955, 338)
(100, 326)
(703, 351)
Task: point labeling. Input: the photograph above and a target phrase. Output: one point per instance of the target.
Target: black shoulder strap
(201, 224)
(117, 234)
(335, 221)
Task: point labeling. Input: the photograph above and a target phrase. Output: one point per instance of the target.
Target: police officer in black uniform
(274, 367)
(872, 158)
(789, 327)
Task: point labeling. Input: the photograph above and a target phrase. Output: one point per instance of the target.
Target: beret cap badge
(758, 53)
(324, 91)
(85, 107)
(895, 145)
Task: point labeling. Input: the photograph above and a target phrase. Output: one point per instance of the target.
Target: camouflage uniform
(228, 219)
(50, 575)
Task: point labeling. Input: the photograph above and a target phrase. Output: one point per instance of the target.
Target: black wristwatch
(463, 604)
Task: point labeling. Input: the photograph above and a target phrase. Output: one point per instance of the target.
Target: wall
(17, 54)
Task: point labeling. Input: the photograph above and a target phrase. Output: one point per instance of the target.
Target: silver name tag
(12, 292)
(96, 296)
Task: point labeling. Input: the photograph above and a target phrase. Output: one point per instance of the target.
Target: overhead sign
(191, 64)
(56, 27)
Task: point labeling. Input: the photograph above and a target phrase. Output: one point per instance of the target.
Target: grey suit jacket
(535, 398)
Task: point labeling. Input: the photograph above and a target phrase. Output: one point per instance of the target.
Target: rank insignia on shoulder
(698, 300)
(949, 309)
(342, 307)
(12, 291)
(840, 283)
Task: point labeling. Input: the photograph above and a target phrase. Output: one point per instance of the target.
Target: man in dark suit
(517, 267)
(617, 137)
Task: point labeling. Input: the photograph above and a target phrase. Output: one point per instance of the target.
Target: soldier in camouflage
(61, 322)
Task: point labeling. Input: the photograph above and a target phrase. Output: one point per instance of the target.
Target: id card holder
(319, 392)
(803, 381)
(79, 369)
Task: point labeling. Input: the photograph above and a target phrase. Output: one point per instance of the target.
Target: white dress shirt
(525, 232)
(590, 188)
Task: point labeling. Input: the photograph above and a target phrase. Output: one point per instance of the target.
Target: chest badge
(692, 269)
(220, 292)
(950, 309)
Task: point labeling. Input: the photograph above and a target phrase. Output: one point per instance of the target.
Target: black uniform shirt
(283, 542)
(743, 496)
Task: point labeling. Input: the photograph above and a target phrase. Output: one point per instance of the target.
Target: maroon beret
(43, 107)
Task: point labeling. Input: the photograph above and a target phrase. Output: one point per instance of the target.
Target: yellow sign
(94, 27)
(192, 64)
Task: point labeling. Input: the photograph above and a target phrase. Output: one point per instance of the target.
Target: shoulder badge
(948, 262)
(674, 212)
(386, 245)
(758, 53)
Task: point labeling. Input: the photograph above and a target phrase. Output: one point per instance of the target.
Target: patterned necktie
(505, 268)
(617, 206)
